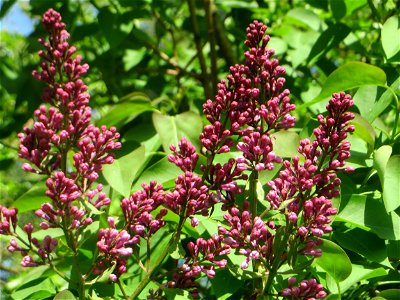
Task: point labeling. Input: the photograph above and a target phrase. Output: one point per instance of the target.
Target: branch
(197, 40)
(209, 8)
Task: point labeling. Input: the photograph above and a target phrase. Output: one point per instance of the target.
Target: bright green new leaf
(32, 199)
(364, 130)
(285, 143)
(121, 173)
(64, 295)
(45, 288)
(391, 186)
(367, 101)
(381, 157)
(334, 261)
(132, 57)
(391, 36)
(349, 76)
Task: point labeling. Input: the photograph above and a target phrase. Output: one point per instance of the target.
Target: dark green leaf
(131, 106)
(112, 26)
(391, 294)
(327, 40)
(364, 243)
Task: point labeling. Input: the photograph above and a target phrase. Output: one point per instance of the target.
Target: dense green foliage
(155, 62)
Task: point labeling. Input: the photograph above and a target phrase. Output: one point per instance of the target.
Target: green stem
(146, 279)
(253, 192)
(121, 287)
(278, 248)
(396, 118)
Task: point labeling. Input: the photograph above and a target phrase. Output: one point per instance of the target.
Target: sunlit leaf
(64, 295)
(390, 36)
(32, 199)
(349, 76)
(121, 173)
(331, 252)
(391, 186)
(285, 143)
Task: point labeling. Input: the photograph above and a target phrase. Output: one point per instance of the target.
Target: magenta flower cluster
(59, 128)
(307, 290)
(248, 107)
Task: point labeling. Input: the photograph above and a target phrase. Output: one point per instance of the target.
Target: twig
(208, 6)
(197, 40)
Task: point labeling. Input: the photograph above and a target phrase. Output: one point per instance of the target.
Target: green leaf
(121, 173)
(364, 130)
(367, 213)
(285, 143)
(177, 251)
(44, 287)
(331, 252)
(368, 103)
(162, 171)
(172, 128)
(327, 40)
(133, 57)
(358, 274)
(32, 199)
(381, 157)
(112, 26)
(349, 76)
(365, 244)
(131, 106)
(64, 295)
(105, 276)
(391, 294)
(177, 294)
(391, 186)
(390, 36)
(304, 17)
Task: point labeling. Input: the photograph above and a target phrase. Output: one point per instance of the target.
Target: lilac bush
(274, 236)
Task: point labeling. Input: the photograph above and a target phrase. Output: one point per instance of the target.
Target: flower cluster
(248, 105)
(307, 188)
(190, 195)
(61, 127)
(307, 290)
(251, 236)
(137, 211)
(204, 255)
(8, 220)
(114, 248)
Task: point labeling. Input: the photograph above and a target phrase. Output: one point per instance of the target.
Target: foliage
(153, 65)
